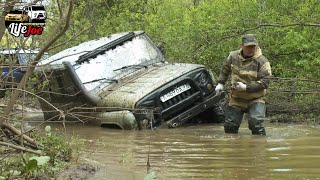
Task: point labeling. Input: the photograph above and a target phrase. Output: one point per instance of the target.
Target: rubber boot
(259, 131)
(256, 117)
(233, 119)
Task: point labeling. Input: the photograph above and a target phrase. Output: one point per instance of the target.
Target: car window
(137, 51)
(37, 8)
(25, 58)
(15, 12)
(22, 58)
(9, 58)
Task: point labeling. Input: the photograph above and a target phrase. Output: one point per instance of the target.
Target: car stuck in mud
(124, 81)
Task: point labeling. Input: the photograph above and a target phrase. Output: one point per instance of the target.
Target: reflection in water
(205, 152)
(279, 148)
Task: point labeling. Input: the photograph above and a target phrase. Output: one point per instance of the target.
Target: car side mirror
(160, 46)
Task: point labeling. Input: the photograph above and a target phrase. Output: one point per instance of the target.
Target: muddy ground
(78, 171)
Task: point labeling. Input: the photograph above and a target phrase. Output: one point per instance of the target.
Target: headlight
(209, 87)
(202, 78)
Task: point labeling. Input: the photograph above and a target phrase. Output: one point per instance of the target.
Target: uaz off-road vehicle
(124, 81)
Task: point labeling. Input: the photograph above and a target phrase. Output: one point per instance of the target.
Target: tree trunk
(61, 28)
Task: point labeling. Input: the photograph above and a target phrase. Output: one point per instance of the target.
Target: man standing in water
(250, 74)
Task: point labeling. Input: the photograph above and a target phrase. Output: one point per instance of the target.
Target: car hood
(14, 15)
(126, 94)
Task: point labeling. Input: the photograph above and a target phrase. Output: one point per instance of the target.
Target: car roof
(17, 10)
(22, 51)
(72, 54)
(34, 6)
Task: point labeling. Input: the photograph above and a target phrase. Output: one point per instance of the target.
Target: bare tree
(61, 28)
(8, 6)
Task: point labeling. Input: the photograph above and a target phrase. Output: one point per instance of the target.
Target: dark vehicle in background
(124, 81)
(14, 65)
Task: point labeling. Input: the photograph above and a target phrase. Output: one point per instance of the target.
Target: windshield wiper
(96, 80)
(137, 66)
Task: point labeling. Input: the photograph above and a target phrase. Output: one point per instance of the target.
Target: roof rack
(100, 50)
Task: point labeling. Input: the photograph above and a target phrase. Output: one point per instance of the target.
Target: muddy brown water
(289, 151)
(203, 152)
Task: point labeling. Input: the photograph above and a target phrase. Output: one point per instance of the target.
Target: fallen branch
(18, 133)
(21, 148)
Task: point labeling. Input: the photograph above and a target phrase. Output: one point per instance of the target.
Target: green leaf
(41, 160)
(47, 128)
(32, 165)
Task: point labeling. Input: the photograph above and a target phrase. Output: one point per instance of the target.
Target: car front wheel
(215, 114)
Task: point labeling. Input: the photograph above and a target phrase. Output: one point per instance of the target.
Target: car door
(29, 12)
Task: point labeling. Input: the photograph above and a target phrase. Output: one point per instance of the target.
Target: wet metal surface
(204, 152)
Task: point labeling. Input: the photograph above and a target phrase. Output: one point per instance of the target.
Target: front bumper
(193, 111)
(14, 19)
(39, 18)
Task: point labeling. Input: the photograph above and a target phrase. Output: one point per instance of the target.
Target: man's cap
(249, 40)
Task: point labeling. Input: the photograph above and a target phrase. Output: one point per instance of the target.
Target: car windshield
(16, 12)
(25, 58)
(118, 62)
(37, 8)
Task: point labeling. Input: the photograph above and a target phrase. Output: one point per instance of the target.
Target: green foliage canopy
(205, 31)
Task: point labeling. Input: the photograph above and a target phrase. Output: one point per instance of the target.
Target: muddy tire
(215, 114)
(218, 113)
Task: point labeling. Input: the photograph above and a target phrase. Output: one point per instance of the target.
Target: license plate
(175, 92)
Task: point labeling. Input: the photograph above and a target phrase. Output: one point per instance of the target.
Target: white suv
(35, 12)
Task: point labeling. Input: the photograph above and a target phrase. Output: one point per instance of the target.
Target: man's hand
(239, 86)
(219, 88)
